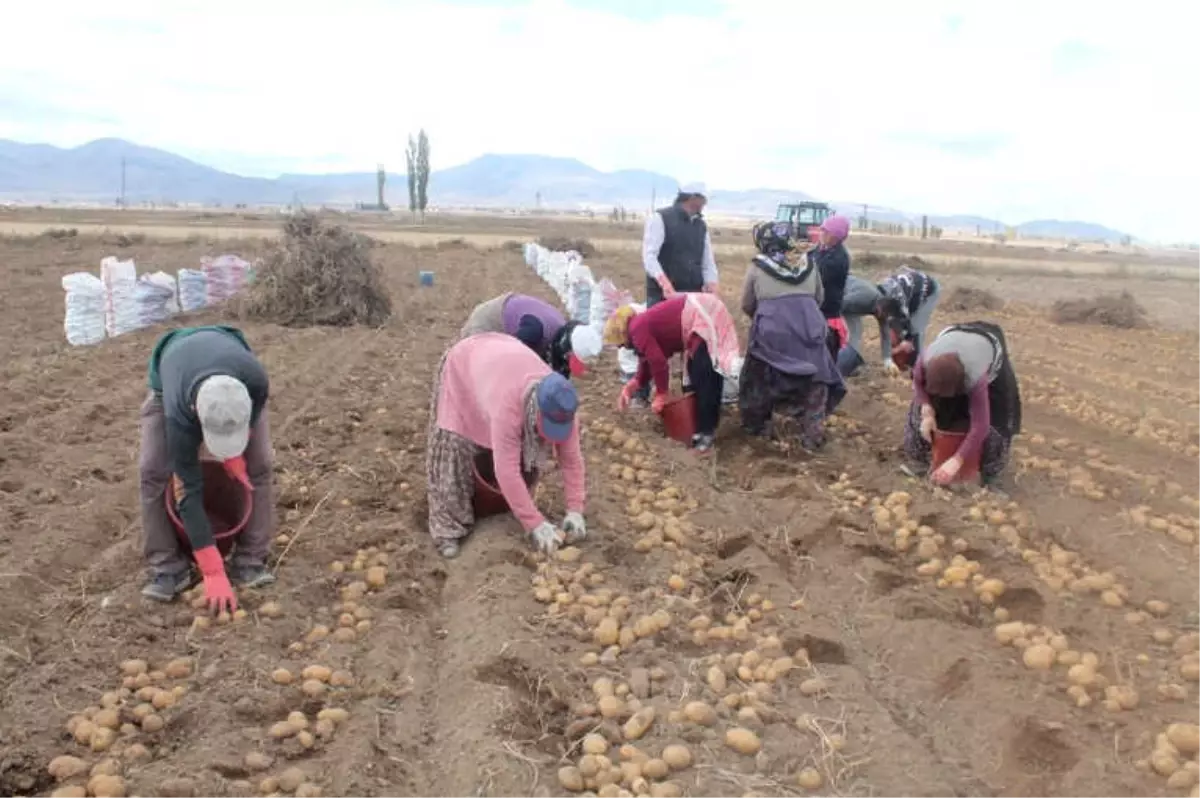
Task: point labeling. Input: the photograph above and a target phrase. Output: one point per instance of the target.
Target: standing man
(677, 253)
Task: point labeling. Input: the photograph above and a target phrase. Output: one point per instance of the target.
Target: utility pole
(122, 203)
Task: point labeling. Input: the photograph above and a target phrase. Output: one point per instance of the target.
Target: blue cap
(557, 403)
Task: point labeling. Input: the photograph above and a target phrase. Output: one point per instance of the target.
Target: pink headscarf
(837, 226)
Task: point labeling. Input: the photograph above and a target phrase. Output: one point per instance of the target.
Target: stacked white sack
(120, 307)
(85, 300)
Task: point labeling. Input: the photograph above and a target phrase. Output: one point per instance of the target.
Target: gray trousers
(920, 323)
(161, 546)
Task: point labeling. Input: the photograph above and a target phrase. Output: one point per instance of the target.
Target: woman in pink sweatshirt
(492, 393)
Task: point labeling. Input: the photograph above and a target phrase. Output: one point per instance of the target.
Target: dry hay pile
(964, 299)
(563, 244)
(317, 274)
(1111, 310)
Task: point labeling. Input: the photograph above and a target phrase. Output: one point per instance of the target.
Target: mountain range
(92, 172)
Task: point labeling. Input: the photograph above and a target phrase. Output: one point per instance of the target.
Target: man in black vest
(677, 251)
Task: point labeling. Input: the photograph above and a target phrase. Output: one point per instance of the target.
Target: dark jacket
(682, 253)
(834, 264)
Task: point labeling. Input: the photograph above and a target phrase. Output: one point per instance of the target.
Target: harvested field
(476, 677)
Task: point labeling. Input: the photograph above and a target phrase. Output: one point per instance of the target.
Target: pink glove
(217, 590)
(711, 288)
(659, 402)
(664, 283)
(236, 468)
(627, 393)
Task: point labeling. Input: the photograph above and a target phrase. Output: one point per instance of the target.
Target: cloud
(1066, 109)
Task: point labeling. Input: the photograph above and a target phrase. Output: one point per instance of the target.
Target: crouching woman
(568, 346)
(494, 395)
(965, 379)
(696, 324)
(788, 365)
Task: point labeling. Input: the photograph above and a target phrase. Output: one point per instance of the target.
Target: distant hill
(92, 173)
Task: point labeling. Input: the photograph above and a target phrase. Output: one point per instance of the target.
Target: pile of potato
(1174, 757)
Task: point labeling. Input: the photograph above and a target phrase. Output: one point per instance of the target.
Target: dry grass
(964, 299)
(1111, 310)
(563, 244)
(317, 274)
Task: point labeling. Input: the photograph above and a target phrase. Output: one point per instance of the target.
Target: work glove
(574, 527)
(628, 391)
(218, 593)
(890, 367)
(236, 468)
(927, 423)
(664, 282)
(660, 401)
(546, 538)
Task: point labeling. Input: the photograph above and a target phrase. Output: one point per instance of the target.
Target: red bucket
(488, 500)
(227, 503)
(679, 418)
(945, 444)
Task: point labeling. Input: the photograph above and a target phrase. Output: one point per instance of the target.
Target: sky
(1014, 110)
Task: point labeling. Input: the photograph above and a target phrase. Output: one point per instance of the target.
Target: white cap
(694, 188)
(223, 405)
(586, 343)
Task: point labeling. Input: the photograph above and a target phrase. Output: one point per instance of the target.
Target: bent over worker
(208, 393)
(492, 394)
(569, 347)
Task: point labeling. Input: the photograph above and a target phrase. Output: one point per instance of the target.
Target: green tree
(410, 155)
(422, 173)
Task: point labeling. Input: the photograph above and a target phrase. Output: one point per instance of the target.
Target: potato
(595, 744)
(64, 767)
(677, 757)
(666, 789)
(107, 718)
(291, 779)
(102, 739)
(308, 790)
(70, 791)
(813, 686)
(337, 715)
(607, 632)
(313, 688)
(639, 724)
(134, 667)
(282, 730)
(163, 699)
(107, 786)
(282, 676)
(257, 761)
(1039, 657)
(1185, 737)
(700, 713)
(136, 752)
(743, 741)
(655, 769)
(716, 679)
(1164, 763)
(569, 778)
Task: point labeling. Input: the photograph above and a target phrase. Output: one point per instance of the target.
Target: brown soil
(1111, 310)
(465, 684)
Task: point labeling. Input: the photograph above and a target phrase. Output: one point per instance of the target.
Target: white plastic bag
(153, 300)
(168, 282)
(193, 290)
(120, 307)
(85, 303)
(225, 276)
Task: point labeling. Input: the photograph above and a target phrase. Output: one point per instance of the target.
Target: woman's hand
(928, 422)
(948, 471)
(664, 282)
(660, 401)
(627, 393)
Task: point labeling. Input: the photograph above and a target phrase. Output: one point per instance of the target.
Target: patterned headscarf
(774, 240)
(616, 329)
